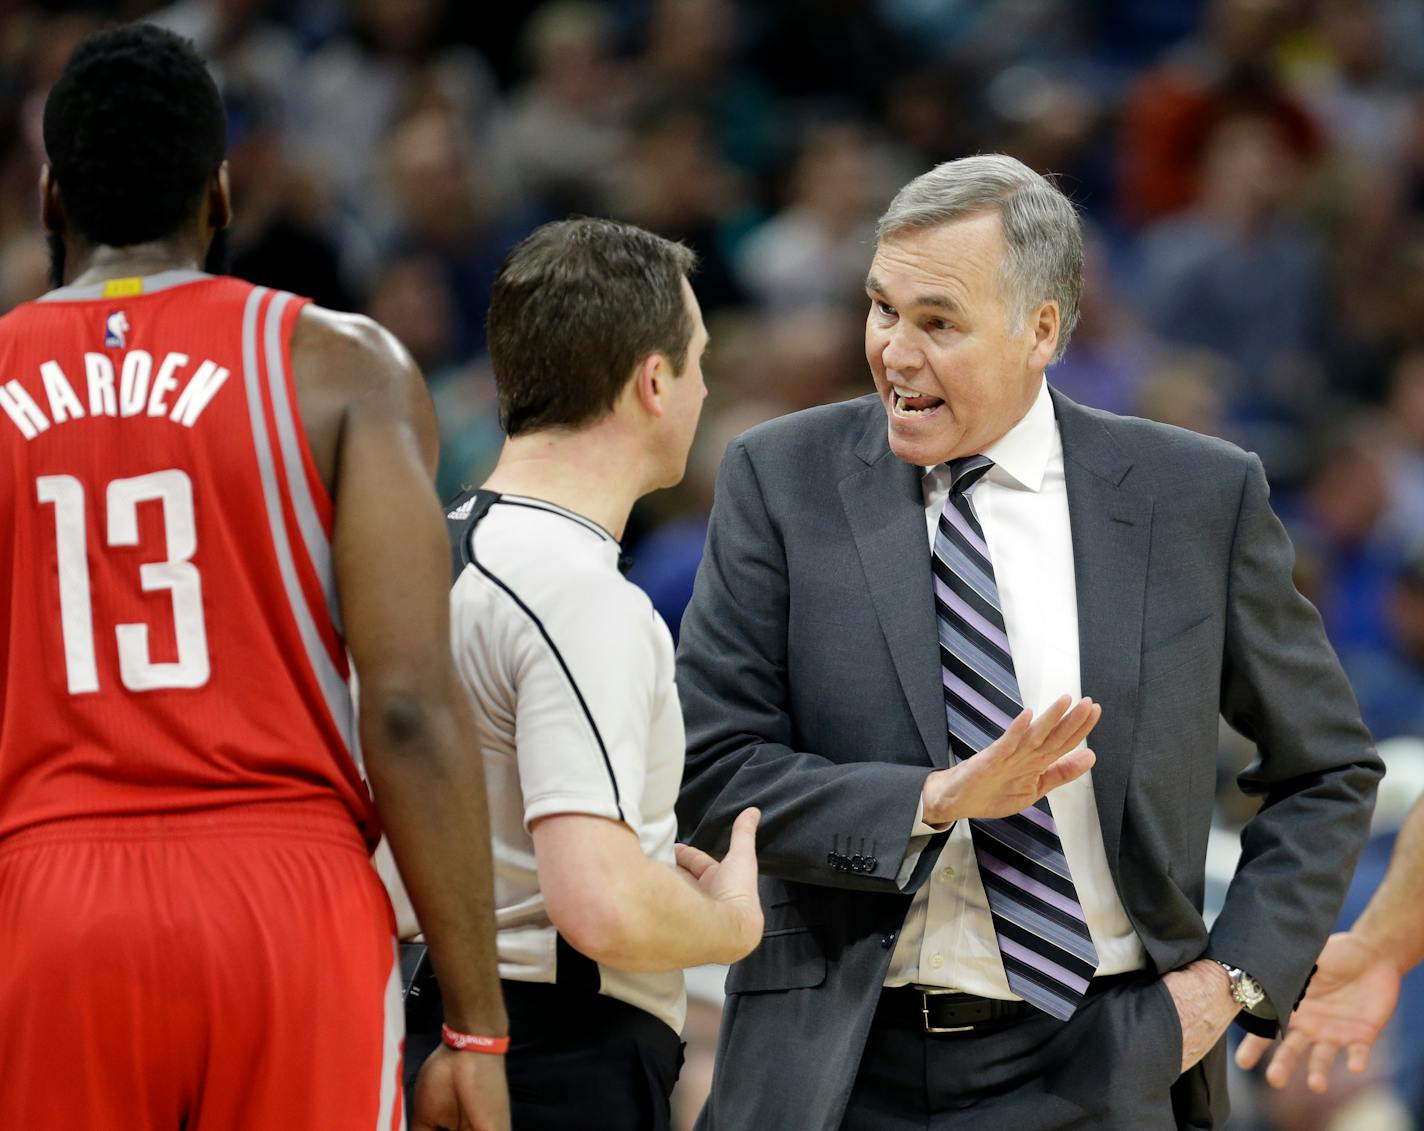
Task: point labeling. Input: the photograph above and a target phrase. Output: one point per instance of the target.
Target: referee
(596, 340)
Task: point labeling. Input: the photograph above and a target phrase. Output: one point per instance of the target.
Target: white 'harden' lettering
(134, 390)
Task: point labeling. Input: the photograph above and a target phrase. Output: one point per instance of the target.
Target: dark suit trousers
(1111, 1065)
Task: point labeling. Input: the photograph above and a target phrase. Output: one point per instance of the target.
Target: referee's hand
(732, 882)
(461, 1091)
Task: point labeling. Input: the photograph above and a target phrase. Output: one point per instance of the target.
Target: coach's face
(952, 374)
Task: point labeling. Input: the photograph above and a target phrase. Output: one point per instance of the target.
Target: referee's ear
(649, 383)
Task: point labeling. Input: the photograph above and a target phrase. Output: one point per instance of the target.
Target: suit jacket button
(887, 940)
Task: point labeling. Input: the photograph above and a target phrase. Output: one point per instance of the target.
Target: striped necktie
(1043, 937)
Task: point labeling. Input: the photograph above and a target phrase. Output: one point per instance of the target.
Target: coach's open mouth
(911, 402)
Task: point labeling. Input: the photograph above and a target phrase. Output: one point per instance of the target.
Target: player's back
(170, 641)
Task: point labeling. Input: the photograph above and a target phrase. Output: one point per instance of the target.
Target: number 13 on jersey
(176, 573)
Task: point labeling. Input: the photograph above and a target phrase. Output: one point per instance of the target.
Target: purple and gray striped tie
(1044, 942)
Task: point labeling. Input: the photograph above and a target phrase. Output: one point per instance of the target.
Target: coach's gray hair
(1045, 241)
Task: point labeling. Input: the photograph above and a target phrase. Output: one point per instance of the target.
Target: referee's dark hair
(134, 129)
(577, 305)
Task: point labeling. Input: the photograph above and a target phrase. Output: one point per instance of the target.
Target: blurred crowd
(1251, 173)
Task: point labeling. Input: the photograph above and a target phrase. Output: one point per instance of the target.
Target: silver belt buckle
(925, 996)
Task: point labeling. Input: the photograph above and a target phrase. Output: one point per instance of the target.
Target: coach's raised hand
(1032, 757)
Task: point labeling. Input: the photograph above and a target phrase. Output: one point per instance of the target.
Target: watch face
(1246, 991)
(1249, 992)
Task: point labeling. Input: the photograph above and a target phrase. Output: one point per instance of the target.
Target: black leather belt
(945, 1011)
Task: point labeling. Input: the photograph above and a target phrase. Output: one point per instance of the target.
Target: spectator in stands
(691, 55)
(444, 208)
(812, 252)
(1343, 562)
(1238, 275)
(244, 48)
(1227, 68)
(394, 57)
(1355, 92)
(568, 120)
(1389, 678)
(674, 181)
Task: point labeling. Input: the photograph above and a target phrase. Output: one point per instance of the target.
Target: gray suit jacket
(809, 677)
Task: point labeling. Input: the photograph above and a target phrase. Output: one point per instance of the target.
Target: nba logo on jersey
(116, 328)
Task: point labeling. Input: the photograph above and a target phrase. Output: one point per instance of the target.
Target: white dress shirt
(948, 937)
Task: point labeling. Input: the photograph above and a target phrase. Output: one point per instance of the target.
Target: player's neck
(586, 472)
(98, 264)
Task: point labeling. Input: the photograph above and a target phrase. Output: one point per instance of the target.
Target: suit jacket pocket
(788, 959)
(1191, 646)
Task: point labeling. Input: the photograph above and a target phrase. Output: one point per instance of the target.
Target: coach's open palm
(1031, 758)
(461, 1091)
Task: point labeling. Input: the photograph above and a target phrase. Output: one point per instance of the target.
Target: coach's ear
(219, 199)
(51, 203)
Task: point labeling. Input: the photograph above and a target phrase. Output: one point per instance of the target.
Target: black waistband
(547, 1013)
(930, 1010)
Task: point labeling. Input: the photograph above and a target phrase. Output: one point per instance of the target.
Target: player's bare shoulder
(349, 354)
(347, 362)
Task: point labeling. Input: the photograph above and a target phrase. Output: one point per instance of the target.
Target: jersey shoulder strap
(462, 515)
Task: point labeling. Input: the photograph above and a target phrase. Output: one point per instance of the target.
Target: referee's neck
(587, 471)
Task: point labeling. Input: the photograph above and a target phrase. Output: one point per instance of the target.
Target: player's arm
(630, 912)
(1356, 983)
(392, 571)
(1393, 922)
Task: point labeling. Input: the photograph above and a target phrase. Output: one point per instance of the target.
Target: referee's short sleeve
(586, 687)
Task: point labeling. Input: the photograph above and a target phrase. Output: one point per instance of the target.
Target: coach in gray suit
(912, 608)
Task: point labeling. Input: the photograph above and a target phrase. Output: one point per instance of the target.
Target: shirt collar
(1022, 453)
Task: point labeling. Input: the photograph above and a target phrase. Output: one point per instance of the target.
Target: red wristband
(468, 1042)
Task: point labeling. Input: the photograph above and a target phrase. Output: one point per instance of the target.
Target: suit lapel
(1112, 527)
(885, 508)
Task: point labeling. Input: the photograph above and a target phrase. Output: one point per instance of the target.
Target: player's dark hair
(133, 129)
(577, 305)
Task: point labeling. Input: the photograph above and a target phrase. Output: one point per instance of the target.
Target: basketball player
(211, 492)
(597, 342)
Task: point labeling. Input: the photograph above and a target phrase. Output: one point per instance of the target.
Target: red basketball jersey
(169, 633)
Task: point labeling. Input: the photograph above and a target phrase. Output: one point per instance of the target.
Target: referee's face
(685, 394)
